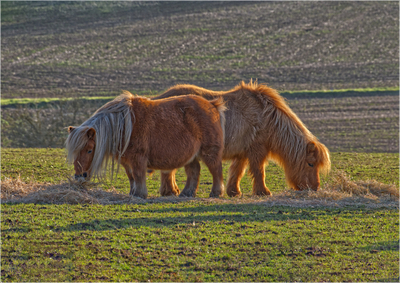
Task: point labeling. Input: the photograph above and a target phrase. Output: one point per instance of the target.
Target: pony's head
(305, 174)
(101, 138)
(292, 145)
(84, 151)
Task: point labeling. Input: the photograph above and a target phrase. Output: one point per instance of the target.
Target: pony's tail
(219, 103)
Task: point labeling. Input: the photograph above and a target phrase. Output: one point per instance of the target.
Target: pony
(139, 133)
(259, 127)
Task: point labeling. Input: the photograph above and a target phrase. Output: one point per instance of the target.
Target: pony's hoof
(187, 195)
(263, 194)
(165, 193)
(214, 195)
(234, 193)
(143, 196)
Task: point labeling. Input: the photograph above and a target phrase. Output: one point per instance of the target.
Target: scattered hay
(344, 184)
(342, 192)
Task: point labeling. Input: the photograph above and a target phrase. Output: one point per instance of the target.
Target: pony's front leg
(139, 174)
(236, 172)
(257, 172)
(193, 179)
(168, 184)
(129, 173)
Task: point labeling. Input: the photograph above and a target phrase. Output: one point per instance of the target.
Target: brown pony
(162, 135)
(260, 126)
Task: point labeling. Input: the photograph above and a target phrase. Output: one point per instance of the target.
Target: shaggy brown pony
(260, 126)
(162, 135)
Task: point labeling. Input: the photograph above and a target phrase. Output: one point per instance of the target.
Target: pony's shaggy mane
(113, 125)
(290, 136)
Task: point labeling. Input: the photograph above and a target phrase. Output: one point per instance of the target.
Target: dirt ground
(59, 49)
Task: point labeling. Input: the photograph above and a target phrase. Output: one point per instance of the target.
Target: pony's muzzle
(84, 175)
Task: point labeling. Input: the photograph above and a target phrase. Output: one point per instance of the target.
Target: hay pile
(71, 192)
(341, 192)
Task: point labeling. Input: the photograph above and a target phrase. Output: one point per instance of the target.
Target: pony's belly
(236, 145)
(170, 160)
(239, 135)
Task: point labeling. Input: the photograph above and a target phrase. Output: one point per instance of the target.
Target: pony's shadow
(225, 214)
(382, 246)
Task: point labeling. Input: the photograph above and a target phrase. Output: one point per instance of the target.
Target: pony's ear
(70, 129)
(311, 152)
(91, 133)
(310, 147)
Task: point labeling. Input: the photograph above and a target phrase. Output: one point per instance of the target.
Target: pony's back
(185, 89)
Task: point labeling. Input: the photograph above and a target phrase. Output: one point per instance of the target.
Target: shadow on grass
(382, 246)
(224, 214)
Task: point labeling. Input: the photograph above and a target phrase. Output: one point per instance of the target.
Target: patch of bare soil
(342, 192)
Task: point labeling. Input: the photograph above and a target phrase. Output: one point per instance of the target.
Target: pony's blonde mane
(289, 137)
(113, 125)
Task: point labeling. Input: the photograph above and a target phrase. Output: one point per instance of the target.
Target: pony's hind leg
(215, 167)
(193, 178)
(168, 184)
(236, 172)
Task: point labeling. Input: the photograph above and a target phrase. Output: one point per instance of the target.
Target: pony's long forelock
(113, 125)
(76, 141)
(289, 135)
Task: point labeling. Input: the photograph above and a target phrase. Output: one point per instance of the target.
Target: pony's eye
(89, 151)
(311, 165)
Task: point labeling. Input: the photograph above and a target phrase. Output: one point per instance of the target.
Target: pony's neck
(288, 139)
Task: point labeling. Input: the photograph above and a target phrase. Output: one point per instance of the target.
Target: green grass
(344, 91)
(194, 241)
(362, 90)
(25, 101)
(41, 102)
(197, 240)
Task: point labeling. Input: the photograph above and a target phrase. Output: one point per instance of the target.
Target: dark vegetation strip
(46, 102)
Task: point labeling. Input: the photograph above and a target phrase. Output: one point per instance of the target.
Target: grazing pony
(140, 133)
(260, 126)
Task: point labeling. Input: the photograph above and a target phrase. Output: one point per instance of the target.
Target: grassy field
(197, 240)
(337, 65)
